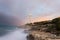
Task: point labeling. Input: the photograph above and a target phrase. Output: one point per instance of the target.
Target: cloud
(8, 20)
(38, 8)
(12, 9)
(43, 8)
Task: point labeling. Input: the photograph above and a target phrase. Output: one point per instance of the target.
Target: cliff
(45, 30)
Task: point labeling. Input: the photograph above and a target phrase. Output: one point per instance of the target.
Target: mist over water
(8, 29)
(11, 14)
(16, 34)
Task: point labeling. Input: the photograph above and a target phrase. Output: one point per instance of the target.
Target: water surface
(16, 34)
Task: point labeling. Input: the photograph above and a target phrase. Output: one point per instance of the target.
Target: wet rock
(30, 37)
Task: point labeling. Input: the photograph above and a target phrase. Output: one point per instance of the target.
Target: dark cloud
(8, 20)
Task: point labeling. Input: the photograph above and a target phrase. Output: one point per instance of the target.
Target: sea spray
(17, 34)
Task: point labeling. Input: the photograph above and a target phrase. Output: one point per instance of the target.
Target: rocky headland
(45, 30)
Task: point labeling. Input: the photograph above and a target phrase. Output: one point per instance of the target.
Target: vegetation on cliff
(51, 26)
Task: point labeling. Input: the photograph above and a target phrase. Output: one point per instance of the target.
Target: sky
(27, 11)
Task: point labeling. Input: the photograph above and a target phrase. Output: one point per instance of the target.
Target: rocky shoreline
(36, 35)
(44, 30)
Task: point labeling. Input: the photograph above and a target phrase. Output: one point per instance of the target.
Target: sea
(12, 33)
